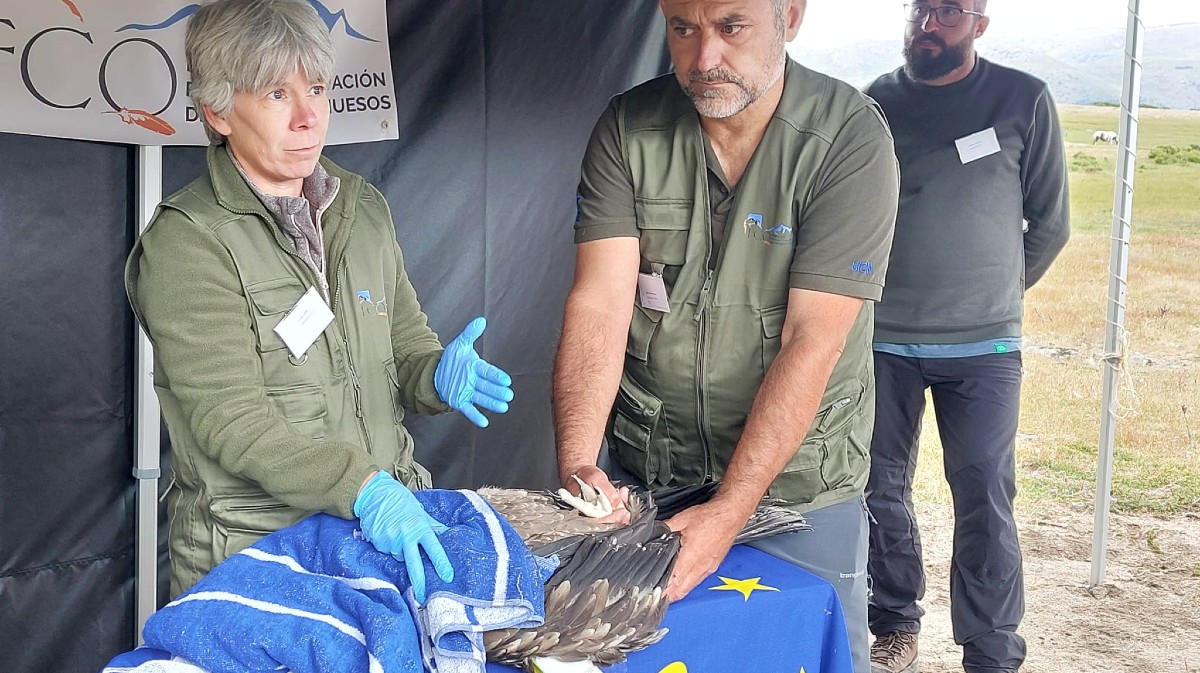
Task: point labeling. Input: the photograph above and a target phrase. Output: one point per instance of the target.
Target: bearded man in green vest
(288, 340)
(734, 225)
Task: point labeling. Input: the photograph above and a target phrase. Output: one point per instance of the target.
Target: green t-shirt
(850, 203)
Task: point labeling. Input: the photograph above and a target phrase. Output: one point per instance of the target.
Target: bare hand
(598, 479)
(707, 532)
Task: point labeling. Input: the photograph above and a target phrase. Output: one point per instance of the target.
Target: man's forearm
(587, 372)
(783, 410)
(779, 419)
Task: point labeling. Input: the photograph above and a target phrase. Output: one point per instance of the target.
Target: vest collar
(234, 194)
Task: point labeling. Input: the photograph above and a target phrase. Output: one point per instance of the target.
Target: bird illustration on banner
(146, 120)
(74, 10)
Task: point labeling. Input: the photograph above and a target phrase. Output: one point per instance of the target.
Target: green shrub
(1086, 163)
(1175, 155)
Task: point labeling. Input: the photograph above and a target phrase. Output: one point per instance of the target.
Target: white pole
(1114, 337)
(146, 457)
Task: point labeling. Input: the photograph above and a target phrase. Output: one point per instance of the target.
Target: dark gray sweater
(960, 261)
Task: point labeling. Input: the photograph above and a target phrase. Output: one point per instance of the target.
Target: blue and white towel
(148, 660)
(317, 597)
(497, 585)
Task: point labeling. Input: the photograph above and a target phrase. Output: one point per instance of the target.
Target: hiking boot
(894, 652)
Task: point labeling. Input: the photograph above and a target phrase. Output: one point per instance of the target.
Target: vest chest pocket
(270, 300)
(637, 415)
(773, 320)
(642, 327)
(303, 408)
(663, 227)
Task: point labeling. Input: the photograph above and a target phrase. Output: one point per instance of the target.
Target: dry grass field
(1145, 617)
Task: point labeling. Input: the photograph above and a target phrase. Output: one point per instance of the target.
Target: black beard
(922, 65)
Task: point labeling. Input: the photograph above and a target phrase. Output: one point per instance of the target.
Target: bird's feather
(607, 597)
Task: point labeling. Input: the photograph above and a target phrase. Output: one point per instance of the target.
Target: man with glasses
(980, 153)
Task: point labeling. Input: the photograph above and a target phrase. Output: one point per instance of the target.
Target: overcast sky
(832, 22)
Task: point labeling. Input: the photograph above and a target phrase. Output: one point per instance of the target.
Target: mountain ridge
(1083, 67)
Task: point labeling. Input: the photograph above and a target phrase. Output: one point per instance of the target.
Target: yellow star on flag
(746, 587)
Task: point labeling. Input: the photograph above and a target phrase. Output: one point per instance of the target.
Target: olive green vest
(343, 389)
(691, 374)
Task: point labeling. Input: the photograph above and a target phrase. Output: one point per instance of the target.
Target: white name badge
(304, 323)
(652, 292)
(978, 145)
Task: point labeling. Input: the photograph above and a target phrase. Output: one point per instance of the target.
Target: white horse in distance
(1104, 137)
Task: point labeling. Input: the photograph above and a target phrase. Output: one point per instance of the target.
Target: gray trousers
(834, 550)
(976, 402)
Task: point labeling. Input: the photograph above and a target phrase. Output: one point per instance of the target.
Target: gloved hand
(393, 520)
(463, 379)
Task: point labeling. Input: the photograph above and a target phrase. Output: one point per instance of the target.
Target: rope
(1126, 400)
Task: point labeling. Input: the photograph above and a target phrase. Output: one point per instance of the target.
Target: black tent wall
(495, 100)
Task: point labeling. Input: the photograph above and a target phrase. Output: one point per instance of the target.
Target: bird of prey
(607, 597)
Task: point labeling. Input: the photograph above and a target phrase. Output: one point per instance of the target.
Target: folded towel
(317, 597)
(496, 585)
(149, 660)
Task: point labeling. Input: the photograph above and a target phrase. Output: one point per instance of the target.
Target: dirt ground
(1144, 618)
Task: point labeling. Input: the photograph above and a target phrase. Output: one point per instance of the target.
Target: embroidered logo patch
(753, 220)
(860, 266)
(752, 226)
(368, 307)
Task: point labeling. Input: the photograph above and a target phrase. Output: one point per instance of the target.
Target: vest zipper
(704, 290)
(330, 298)
(321, 239)
(354, 381)
(700, 410)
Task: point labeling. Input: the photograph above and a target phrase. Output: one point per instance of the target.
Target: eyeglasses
(947, 15)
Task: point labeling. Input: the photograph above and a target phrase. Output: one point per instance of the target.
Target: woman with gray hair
(287, 337)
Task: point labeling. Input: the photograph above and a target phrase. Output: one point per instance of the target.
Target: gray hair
(780, 22)
(251, 46)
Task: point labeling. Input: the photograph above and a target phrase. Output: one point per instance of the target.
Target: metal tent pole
(146, 419)
(1114, 337)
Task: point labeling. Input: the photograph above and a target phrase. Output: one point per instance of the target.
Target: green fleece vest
(343, 389)
(691, 374)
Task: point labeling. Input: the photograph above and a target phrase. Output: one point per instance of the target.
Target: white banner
(114, 70)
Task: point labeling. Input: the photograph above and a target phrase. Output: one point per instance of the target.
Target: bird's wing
(607, 597)
(769, 520)
(540, 517)
(607, 601)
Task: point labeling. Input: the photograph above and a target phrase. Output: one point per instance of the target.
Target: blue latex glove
(393, 520)
(463, 380)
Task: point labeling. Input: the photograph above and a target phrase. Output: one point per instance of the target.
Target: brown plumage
(607, 597)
